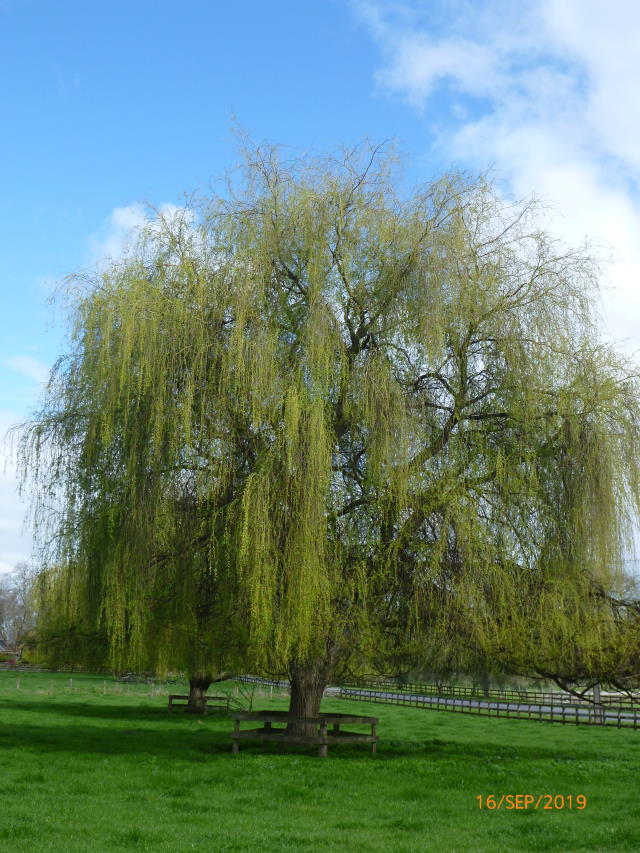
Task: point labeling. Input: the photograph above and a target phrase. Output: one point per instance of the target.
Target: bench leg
(235, 747)
(322, 731)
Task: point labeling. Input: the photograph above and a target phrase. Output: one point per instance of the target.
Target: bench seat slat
(260, 734)
(284, 716)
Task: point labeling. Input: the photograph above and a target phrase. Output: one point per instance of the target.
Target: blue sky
(107, 106)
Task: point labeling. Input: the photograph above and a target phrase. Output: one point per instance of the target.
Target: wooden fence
(534, 697)
(566, 713)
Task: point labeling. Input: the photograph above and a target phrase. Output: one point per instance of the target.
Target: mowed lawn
(84, 772)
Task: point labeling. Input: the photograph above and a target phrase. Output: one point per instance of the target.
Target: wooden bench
(323, 736)
(180, 700)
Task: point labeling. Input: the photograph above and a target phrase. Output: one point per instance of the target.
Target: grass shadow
(115, 712)
(145, 729)
(116, 741)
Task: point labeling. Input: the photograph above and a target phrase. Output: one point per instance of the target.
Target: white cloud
(30, 367)
(546, 91)
(120, 230)
(117, 232)
(422, 63)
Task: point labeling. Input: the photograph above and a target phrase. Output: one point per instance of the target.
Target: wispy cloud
(117, 232)
(122, 227)
(546, 92)
(30, 367)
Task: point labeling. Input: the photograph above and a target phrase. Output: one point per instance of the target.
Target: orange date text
(522, 802)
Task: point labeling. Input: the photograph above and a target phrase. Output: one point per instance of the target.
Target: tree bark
(198, 686)
(307, 686)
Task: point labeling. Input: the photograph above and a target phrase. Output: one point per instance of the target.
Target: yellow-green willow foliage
(317, 420)
(66, 631)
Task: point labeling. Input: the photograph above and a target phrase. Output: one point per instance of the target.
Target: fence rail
(268, 682)
(533, 697)
(576, 714)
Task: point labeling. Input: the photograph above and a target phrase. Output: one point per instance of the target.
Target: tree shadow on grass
(148, 713)
(190, 745)
(205, 743)
(154, 731)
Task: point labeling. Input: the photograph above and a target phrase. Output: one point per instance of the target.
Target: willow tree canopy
(315, 419)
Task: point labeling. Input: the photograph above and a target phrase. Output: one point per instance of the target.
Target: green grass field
(84, 772)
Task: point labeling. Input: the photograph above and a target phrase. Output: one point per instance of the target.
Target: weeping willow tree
(315, 425)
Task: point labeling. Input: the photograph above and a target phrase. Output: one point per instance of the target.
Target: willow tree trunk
(307, 687)
(198, 686)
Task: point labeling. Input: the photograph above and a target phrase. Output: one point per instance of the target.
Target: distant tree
(17, 606)
(315, 425)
